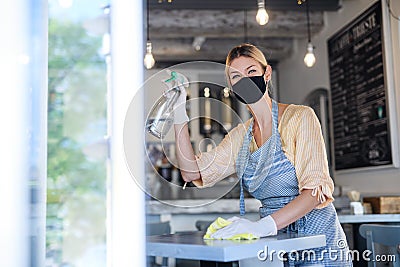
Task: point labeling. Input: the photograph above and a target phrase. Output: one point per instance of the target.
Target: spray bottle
(161, 116)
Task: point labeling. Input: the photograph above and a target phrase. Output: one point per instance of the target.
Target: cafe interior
(92, 170)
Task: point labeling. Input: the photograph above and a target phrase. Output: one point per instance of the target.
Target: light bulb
(309, 58)
(198, 42)
(262, 15)
(148, 58)
(149, 61)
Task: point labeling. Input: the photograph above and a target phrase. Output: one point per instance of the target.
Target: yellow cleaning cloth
(221, 223)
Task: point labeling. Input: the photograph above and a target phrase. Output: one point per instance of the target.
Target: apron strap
(274, 116)
(242, 205)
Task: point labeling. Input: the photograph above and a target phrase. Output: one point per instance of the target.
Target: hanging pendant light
(148, 58)
(262, 15)
(309, 58)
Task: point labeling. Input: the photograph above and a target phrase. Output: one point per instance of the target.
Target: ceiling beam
(217, 49)
(229, 24)
(315, 5)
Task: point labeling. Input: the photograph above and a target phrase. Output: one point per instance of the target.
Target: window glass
(77, 124)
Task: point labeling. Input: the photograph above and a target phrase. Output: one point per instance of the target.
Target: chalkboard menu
(361, 134)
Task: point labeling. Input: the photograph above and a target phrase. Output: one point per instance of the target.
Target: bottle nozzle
(179, 79)
(172, 78)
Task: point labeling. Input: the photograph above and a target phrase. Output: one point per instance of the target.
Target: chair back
(388, 235)
(202, 225)
(158, 228)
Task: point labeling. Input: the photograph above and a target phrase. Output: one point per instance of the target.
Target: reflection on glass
(207, 110)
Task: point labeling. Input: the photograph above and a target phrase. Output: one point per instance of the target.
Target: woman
(278, 155)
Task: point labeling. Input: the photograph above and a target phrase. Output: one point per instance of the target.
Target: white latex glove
(264, 227)
(234, 218)
(180, 114)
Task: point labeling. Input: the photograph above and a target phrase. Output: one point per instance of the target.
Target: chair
(157, 228)
(202, 225)
(388, 235)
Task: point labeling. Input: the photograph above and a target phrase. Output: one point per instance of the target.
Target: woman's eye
(251, 71)
(235, 77)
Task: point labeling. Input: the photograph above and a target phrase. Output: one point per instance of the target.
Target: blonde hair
(245, 50)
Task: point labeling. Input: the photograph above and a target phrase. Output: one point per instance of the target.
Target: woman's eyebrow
(250, 67)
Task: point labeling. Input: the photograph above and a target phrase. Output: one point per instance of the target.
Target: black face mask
(249, 90)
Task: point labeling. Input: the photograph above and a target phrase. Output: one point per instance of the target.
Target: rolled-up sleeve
(310, 158)
(219, 163)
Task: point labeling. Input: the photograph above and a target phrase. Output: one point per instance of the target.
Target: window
(77, 124)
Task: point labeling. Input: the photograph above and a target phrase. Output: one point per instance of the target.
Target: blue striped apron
(270, 177)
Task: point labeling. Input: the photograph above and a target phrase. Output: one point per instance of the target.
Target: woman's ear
(268, 73)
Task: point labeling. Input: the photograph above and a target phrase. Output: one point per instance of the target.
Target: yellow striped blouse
(302, 143)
